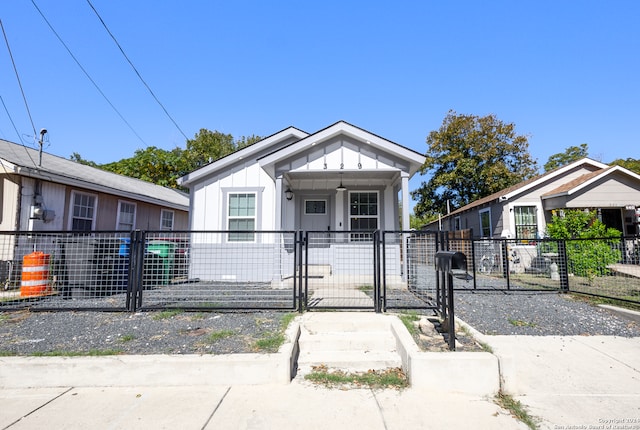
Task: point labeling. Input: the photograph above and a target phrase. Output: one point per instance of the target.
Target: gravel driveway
(26, 333)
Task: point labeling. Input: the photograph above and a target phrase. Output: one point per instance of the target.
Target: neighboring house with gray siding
(55, 194)
(523, 210)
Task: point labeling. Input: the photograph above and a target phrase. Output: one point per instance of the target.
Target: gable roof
(276, 140)
(514, 190)
(415, 160)
(24, 161)
(292, 140)
(585, 180)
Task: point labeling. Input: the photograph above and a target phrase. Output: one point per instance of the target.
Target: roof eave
(54, 177)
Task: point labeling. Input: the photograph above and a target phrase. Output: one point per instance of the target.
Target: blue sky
(565, 72)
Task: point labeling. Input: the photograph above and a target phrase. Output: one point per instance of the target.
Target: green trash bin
(163, 265)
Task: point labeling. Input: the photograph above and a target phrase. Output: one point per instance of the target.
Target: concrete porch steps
(365, 342)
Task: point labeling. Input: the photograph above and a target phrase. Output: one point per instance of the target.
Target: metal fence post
(304, 246)
(298, 270)
(451, 313)
(505, 265)
(564, 267)
(376, 271)
(136, 265)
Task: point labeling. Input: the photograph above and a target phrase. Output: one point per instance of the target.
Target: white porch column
(405, 223)
(278, 220)
(405, 202)
(339, 219)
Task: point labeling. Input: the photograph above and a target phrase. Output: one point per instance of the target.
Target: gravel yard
(175, 332)
(539, 314)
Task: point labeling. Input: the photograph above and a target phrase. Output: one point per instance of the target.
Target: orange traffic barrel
(35, 275)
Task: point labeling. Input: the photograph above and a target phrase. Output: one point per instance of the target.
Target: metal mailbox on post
(449, 264)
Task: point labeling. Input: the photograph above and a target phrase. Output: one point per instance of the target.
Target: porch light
(341, 187)
(288, 194)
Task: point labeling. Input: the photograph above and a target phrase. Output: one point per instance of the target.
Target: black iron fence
(602, 267)
(287, 270)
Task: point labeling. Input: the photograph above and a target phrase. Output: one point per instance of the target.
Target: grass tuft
(375, 379)
(521, 323)
(127, 338)
(409, 319)
(169, 313)
(517, 409)
(220, 334)
(271, 342)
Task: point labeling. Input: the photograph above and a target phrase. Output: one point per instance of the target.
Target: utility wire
(86, 73)
(15, 69)
(24, 97)
(136, 70)
(11, 119)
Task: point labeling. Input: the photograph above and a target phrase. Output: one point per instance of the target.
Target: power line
(87, 74)
(136, 70)
(24, 97)
(15, 69)
(11, 120)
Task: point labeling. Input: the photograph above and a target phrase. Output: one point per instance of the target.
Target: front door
(315, 216)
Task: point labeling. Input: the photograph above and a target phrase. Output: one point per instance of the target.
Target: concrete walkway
(568, 382)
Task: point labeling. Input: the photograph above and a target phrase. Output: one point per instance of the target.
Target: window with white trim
(126, 216)
(241, 216)
(83, 211)
(485, 222)
(456, 223)
(526, 222)
(363, 214)
(166, 220)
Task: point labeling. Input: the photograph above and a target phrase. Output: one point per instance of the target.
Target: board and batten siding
(208, 209)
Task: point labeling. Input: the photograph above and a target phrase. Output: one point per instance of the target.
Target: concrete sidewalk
(567, 382)
(581, 382)
(298, 405)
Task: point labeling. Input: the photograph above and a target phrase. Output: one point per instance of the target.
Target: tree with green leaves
(151, 164)
(164, 167)
(571, 154)
(468, 158)
(629, 164)
(78, 159)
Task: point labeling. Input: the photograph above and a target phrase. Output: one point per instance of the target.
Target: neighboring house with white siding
(339, 179)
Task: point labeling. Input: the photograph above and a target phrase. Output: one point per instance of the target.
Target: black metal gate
(340, 270)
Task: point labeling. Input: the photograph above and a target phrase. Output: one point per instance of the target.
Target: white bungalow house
(343, 181)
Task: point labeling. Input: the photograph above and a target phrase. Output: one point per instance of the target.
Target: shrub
(587, 258)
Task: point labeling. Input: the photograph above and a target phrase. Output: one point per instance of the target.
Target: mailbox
(452, 262)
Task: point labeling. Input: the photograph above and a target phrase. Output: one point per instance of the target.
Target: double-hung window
(126, 216)
(363, 214)
(166, 220)
(83, 211)
(526, 222)
(241, 216)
